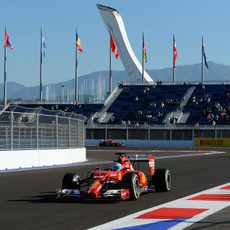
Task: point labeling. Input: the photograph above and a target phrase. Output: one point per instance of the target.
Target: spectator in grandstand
(112, 119)
(208, 98)
(123, 122)
(149, 116)
(194, 99)
(152, 105)
(173, 120)
(159, 82)
(197, 125)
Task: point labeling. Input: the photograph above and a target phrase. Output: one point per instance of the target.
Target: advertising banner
(217, 142)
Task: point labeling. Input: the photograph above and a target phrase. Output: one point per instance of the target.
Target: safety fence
(22, 130)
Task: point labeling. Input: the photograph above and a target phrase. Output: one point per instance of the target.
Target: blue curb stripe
(161, 225)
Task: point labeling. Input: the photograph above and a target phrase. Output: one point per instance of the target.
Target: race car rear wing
(144, 158)
(140, 157)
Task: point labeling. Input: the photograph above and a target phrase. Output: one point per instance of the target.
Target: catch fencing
(40, 131)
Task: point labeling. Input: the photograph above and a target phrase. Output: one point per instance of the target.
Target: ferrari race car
(122, 181)
(110, 143)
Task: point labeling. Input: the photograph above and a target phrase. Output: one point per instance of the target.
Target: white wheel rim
(136, 187)
(168, 180)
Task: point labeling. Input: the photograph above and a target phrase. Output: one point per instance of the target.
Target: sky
(158, 19)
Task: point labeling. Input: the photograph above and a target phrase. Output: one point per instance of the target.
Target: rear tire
(71, 181)
(131, 182)
(162, 180)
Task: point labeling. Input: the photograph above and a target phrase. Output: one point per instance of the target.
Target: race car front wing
(120, 194)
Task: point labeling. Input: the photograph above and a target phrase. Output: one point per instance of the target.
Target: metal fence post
(57, 131)
(170, 134)
(77, 133)
(193, 134)
(69, 136)
(149, 133)
(12, 130)
(106, 132)
(37, 131)
(83, 133)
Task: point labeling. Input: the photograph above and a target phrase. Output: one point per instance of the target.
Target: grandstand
(146, 104)
(188, 104)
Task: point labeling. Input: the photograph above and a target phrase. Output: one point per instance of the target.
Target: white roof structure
(115, 25)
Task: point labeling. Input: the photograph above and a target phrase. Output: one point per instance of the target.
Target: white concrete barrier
(39, 158)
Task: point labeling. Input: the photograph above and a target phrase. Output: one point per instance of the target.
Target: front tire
(71, 181)
(131, 182)
(162, 180)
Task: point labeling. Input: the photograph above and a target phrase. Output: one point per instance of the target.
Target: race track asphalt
(27, 198)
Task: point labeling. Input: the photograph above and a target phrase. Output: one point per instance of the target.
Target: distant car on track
(120, 182)
(109, 143)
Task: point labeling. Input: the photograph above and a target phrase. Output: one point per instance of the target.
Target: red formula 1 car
(122, 181)
(110, 143)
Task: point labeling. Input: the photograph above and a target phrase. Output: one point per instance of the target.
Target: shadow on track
(50, 197)
(44, 197)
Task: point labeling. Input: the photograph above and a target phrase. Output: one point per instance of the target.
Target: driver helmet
(116, 167)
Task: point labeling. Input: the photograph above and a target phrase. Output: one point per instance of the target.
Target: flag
(113, 46)
(7, 41)
(43, 47)
(78, 43)
(204, 55)
(175, 53)
(144, 49)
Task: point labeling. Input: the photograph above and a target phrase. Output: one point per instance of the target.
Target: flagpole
(41, 66)
(174, 67)
(76, 73)
(143, 63)
(110, 65)
(202, 61)
(5, 72)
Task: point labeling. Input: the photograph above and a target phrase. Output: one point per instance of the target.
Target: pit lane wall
(40, 158)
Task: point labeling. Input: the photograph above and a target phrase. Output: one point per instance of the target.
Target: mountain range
(94, 86)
